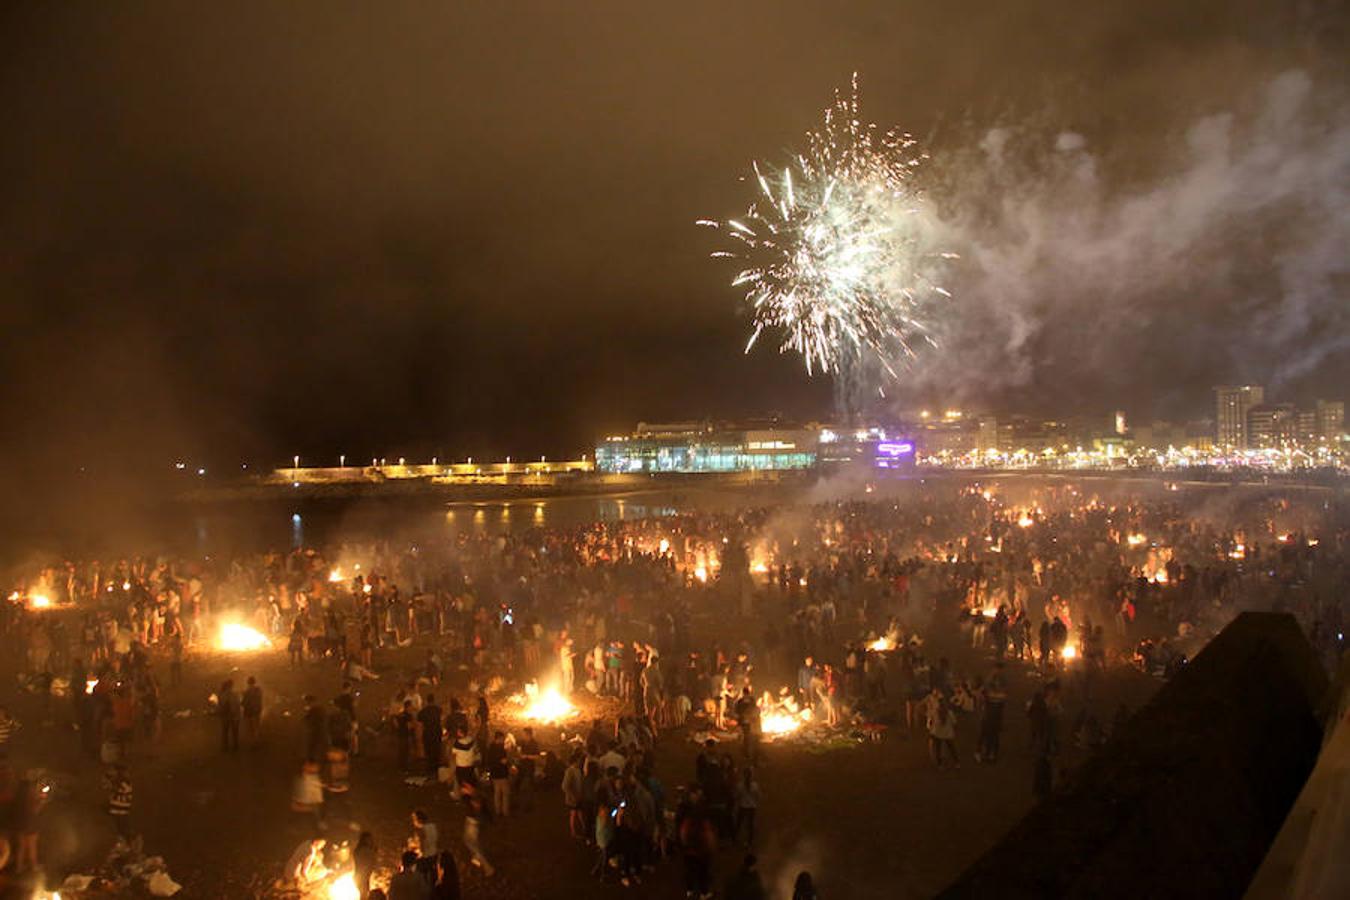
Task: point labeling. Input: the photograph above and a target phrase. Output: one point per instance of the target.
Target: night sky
(240, 231)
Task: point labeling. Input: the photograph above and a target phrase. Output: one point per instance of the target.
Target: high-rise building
(1330, 419)
(986, 438)
(1232, 404)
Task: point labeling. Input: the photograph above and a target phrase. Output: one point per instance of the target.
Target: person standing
(307, 795)
(316, 730)
(605, 833)
(252, 705)
(405, 727)
(747, 805)
(447, 878)
(27, 803)
(465, 757)
(805, 675)
(527, 763)
(573, 785)
(409, 884)
(295, 645)
(229, 710)
(499, 770)
(566, 666)
(991, 722)
(748, 721)
(942, 734)
(364, 858)
(698, 841)
(426, 841)
(432, 738)
(117, 784)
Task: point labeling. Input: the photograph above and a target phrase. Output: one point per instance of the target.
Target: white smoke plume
(1080, 272)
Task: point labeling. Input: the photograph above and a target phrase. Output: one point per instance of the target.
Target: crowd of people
(695, 624)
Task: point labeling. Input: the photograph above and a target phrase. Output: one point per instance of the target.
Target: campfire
(883, 644)
(343, 888)
(781, 716)
(548, 705)
(236, 638)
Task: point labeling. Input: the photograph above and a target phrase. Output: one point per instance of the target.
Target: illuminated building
(1272, 425)
(1330, 419)
(691, 447)
(705, 447)
(1231, 407)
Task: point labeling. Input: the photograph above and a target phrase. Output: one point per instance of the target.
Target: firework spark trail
(831, 247)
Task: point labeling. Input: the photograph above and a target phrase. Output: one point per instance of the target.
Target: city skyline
(476, 259)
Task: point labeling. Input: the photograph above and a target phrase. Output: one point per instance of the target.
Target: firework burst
(833, 252)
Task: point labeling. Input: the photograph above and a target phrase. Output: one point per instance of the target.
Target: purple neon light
(887, 448)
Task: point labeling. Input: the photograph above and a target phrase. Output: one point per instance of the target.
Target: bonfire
(781, 716)
(236, 638)
(343, 888)
(884, 644)
(547, 705)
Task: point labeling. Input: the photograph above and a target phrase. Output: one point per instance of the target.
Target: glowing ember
(547, 705)
(1313, 542)
(1070, 652)
(90, 684)
(1026, 521)
(126, 585)
(237, 638)
(989, 612)
(988, 495)
(663, 546)
(15, 596)
(344, 888)
(1135, 540)
(1239, 551)
(1283, 538)
(39, 601)
(701, 573)
(883, 644)
(760, 568)
(1159, 577)
(335, 576)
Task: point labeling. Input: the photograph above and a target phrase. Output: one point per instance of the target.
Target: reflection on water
(263, 527)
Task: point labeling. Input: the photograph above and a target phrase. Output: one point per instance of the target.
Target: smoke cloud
(1227, 257)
